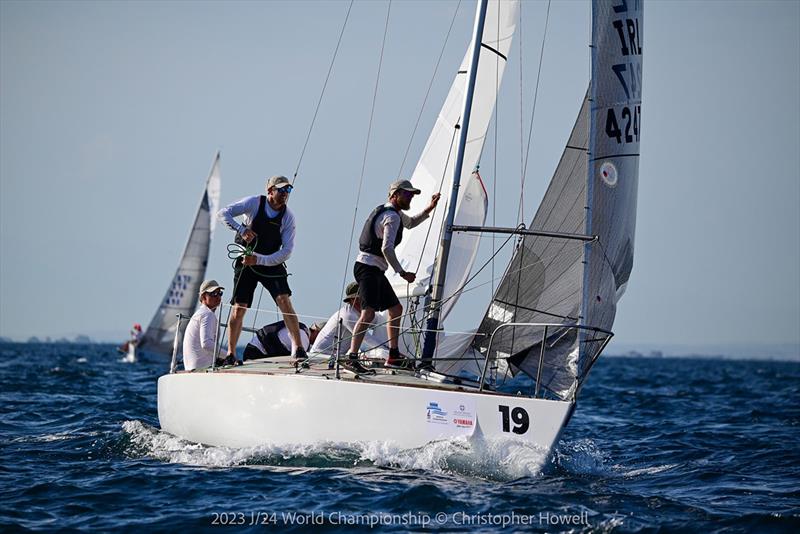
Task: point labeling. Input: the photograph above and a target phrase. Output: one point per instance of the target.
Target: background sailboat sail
(433, 173)
(593, 193)
(181, 295)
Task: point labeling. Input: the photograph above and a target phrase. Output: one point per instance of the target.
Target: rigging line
(322, 93)
(508, 272)
(258, 304)
(521, 209)
(430, 226)
(521, 114)
(219, 342)
(364, 160)
(462, 289)
(605, 255)
(534, 310)
(533, 110)
(430, 86)
(426, 312)
(299, 316)
(376, 326)
(441, 185)
(496, 122)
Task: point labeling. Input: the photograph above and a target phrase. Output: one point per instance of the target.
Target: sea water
(655, 445)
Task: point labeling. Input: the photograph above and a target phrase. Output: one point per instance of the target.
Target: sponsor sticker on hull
(446, 417)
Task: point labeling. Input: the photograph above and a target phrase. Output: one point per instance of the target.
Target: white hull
(130, 356)
(258, 405)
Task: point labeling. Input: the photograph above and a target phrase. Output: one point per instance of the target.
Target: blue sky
(111, 112)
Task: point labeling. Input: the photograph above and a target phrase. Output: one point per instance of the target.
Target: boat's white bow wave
(495, 459)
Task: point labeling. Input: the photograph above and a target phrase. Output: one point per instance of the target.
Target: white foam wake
(505, 459)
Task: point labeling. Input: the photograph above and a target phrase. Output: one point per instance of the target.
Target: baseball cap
(404, 185)
(351, 291)
(209, 285)
(277, 181)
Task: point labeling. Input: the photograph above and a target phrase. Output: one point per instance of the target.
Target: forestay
(434, 171)
(181, 295)
(593, 192)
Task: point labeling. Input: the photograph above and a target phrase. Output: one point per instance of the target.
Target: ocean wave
(504, 459)
(648, 470)
(581, 457)
(48, 438)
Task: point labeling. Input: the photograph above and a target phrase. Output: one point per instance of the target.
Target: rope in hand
(238, 251)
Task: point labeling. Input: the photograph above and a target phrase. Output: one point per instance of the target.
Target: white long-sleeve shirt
(200, 339)
(248, 208)
(326, 339)
(385, 227)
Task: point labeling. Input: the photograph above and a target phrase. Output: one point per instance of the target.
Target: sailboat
(549, 319)
(181, 296)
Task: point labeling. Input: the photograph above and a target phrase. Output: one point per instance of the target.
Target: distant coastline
(759, 352)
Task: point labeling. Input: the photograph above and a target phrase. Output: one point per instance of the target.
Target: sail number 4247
(516, 415)
(626, 128)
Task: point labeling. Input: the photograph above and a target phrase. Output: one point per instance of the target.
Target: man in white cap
(200, 337)
(268, 227)
(382, 232)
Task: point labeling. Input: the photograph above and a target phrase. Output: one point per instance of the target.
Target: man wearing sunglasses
(268, 226)
(382, 232)
(200, 337)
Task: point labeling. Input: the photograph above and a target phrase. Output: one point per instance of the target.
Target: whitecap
(649, 470)
(497, 459)
(581, 457)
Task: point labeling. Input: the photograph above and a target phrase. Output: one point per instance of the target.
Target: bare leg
(393, 326)
(284, 303)
(363, 324)
(235, 326)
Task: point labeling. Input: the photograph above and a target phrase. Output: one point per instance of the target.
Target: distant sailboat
(181, 295)
(549, 318)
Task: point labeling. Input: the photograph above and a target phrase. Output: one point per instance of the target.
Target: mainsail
(434, 171)
(181, 295)
(569, 281)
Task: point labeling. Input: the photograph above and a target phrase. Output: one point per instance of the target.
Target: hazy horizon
(111, 113)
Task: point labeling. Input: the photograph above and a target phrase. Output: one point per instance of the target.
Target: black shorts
(374, 288)
(252, 353)
(273, 278)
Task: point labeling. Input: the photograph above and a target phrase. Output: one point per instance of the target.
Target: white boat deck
(318, 369)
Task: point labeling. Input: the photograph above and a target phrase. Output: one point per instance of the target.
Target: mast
(432, 326)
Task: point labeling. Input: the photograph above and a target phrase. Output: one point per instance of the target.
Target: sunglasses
(285, 189)
(217, 293)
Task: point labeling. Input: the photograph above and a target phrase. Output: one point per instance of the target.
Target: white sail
(434, 171)
(181, 295)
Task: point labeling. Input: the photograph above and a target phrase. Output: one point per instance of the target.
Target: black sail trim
(615, 156)
(487, 47)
